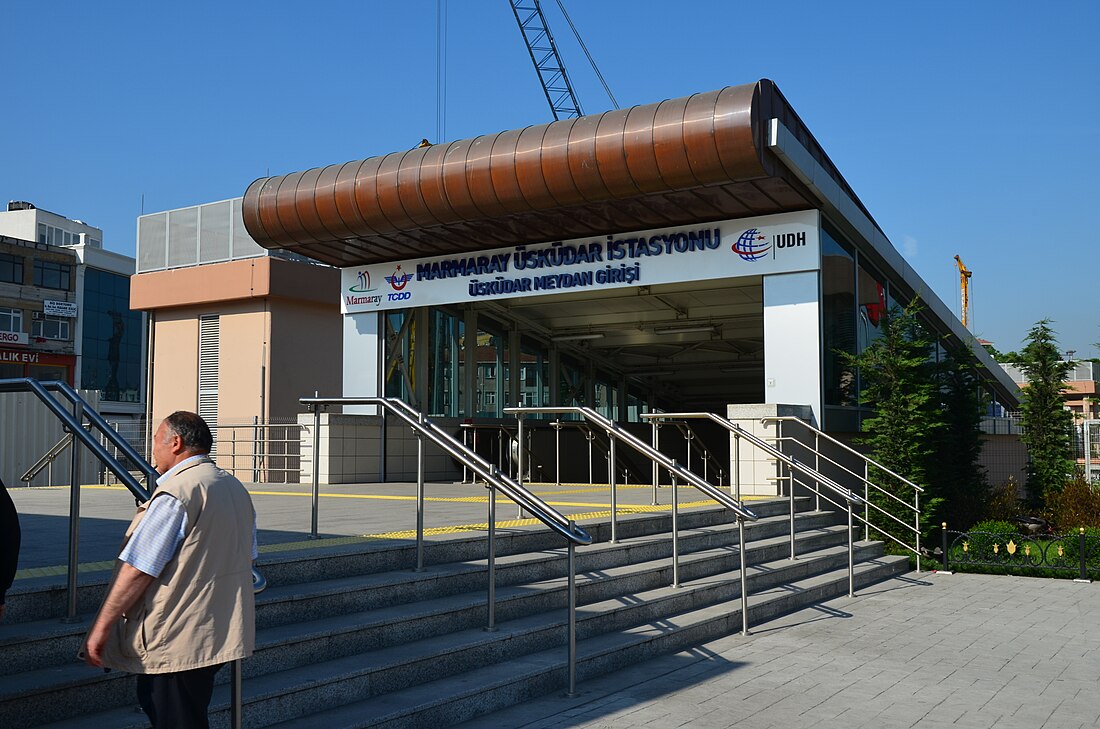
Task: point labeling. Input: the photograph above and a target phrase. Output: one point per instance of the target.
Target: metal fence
(1075, 555)
(256, 452)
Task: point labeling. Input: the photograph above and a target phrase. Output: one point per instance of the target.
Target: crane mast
(964, 288)
(544, 54)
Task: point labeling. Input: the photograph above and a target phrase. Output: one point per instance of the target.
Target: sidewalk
(925, 650)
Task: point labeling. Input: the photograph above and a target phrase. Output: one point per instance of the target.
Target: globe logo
(751, 246)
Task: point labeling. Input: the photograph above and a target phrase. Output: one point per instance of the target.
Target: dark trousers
(177, 700)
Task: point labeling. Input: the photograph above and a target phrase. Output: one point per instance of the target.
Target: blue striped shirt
(158, 536)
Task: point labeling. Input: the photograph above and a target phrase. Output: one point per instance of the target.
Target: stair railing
(616, 434)
(869, 486)
(74, 423)
(739, 433)
(47, 459)
(694, 445)
(496, 479)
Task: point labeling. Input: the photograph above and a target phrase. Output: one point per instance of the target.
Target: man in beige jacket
(181, 602)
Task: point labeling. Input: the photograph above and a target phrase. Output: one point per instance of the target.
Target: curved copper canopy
(693, 159)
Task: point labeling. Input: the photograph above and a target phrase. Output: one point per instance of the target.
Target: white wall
(362, 344)
(792, 340)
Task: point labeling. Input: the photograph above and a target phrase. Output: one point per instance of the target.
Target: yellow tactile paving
(603, 512)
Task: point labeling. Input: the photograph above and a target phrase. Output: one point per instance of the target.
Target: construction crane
(964, 288)
(544, 54)
(548, 64)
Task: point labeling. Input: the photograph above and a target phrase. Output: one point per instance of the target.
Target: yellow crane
(964, 287)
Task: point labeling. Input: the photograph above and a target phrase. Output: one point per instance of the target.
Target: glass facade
(112, 338)
(838, 291)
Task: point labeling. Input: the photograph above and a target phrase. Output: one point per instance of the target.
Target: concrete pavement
(927, 651)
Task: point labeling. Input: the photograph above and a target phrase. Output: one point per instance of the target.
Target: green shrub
(995, 526)
(1077, 505)
(1004, 501)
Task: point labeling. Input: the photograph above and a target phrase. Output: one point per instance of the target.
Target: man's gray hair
(192, 430)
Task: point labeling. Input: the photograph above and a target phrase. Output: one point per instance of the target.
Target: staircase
(353, 637)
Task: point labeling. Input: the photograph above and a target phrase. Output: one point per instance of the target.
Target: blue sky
(968, 128)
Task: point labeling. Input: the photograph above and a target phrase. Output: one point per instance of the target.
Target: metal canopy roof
(687, 160)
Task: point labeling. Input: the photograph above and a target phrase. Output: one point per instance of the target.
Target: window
(52, 275)
(11, 268)
(489, 371)
(11, 320)
(42, 232)
(51, 327)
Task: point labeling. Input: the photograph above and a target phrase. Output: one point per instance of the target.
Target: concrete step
(450, 700)
(29, 646)
(288, 646)
(44, 598)
(467, 655)
(347, 636)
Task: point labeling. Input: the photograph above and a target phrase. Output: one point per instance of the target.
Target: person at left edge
(181, 602)
(9, 543)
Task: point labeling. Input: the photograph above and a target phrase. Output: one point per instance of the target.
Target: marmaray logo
(363, 284)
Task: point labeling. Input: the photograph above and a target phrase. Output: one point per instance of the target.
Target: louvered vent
(209, 352)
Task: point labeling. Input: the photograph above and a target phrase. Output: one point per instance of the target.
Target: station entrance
(623, 352)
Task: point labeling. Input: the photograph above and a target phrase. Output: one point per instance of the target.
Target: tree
(898, 376)
(956, 470)
(1047, 424)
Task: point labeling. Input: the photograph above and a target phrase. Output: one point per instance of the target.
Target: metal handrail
(868, 505)
(542, 511)
(615, 434)
(47, 459)
(847, 494)
(494, 477)
(845, 446)
(692, 439)
(42, 390)
(615, 431)
(792, 466)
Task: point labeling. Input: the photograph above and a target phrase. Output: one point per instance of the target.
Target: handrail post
(675, 533)
(851, 556)
(591, 438)
(611, 482)
(557, 452)
(490, 626)
(916, 519)
(465, 444)
(817, 469)
(572, 567)
(736, 466)
(316, 469)
(520, 458)
(656, 471)
(744, 575)
(420, 495)
(866, 501)
(236, 713)
(688, 435)
(74, 515)
(790, 497)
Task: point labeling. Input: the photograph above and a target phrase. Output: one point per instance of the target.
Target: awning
(694, 159)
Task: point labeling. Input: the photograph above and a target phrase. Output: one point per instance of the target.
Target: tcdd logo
(751, 246)
(398, 280)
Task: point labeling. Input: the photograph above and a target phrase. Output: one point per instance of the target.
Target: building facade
(237, 334)
(70, 298)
